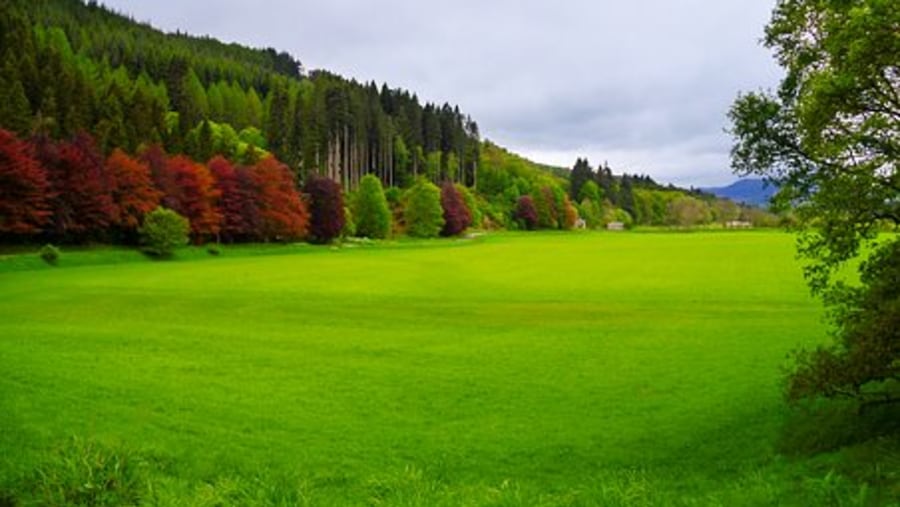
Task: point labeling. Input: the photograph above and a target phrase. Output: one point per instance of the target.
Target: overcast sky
(642, 84)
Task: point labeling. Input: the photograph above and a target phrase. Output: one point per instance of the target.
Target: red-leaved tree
(326, 203)
(526, 213)
(193, 195)
(237, 202)
(24, 190)
(133, 193)
(82, 205)
(457, 216)
(157, 160)
(283, 214)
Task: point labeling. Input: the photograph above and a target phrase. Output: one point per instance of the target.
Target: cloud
(644, 83)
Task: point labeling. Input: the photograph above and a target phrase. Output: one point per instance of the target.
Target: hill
(754, 192)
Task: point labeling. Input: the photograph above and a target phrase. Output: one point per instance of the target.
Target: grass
(519, 369)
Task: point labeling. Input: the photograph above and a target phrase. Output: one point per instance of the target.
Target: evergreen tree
(581, 174)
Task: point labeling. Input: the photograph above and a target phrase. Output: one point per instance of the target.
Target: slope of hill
(751, 191)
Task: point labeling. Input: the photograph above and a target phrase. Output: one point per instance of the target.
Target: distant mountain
(755, 192)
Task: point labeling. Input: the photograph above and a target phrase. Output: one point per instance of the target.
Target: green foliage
(590, 211)
(547, 211)
(423, 215)
(163, 231)
(864, 361)
(828, 139)
(589, 190)
(349, 229)
(50, 254)
(471, 204)
(687, 211)
(620, 215)
(214, 249)
(373, 215)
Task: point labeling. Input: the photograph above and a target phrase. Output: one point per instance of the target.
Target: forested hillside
(75, 67)
(104, 119)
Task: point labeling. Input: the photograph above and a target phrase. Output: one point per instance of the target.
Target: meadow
(509, 369)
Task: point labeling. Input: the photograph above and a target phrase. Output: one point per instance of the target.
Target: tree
(457, 216)
(726, 210)
(423, 214)
(545, 204)
(471, 203)
(163, 231)
(580, 176)
(133, 193)
(237, 200)
(194, 196)
(829, 140)
(82, 204)
(24, 189)
(526, 213)
(326, 206)
(371, 213)
(589, 190)
(687, 211)
(283, 215)
(569, 215)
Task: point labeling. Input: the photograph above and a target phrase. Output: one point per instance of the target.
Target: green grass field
(514, 369)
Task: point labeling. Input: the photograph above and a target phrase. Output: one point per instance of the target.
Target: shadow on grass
(825, 426)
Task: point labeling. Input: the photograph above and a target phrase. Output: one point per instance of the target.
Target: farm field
(512, 369)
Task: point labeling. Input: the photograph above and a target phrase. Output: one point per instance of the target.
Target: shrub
(326, 203)
(456, 215)
(373, 216)
(164, 231)
(50, 254)
(214, 249)
(526, 213)
(424, 215)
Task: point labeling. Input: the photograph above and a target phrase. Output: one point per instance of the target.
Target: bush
(326, 203)
(50, 254)
(424, 215)
(163, 231)
(526, 213)
(214, 249)
(373, 216)
(456, 214)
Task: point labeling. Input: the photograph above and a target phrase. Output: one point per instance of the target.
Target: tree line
(66, 191)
